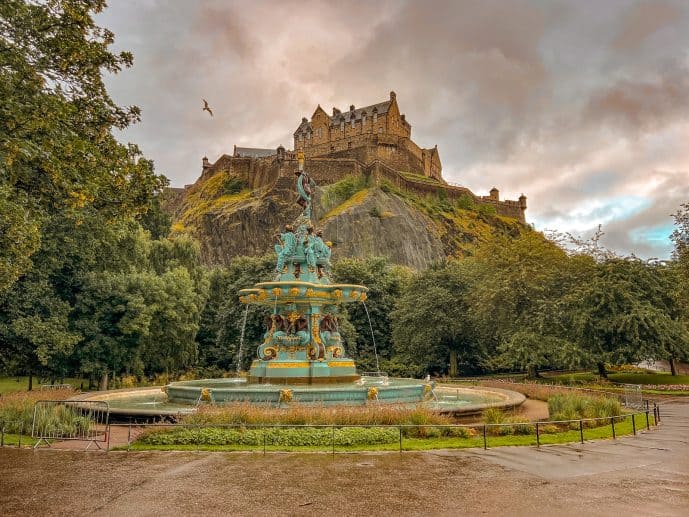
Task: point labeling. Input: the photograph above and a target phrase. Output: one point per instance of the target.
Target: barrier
(61, 420)
(474, 435)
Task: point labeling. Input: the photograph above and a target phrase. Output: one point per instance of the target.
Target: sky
(582, 105)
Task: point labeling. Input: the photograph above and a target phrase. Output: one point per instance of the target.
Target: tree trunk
(104, 381)
(673, 366)
(453, 363)
(30, 381)
(532, 372)
(601, 370)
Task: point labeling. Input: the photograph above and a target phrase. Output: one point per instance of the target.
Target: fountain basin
(154, 403)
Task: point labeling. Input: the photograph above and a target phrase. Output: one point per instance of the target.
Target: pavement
(643, 475)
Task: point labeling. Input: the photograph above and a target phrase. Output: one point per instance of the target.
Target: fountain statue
(302, 343)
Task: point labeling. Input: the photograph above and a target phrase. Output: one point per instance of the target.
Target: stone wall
(384, 159)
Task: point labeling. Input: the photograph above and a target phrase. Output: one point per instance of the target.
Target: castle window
(375, 118)
(380, 129)
(308, 136)
(353, 121)
(342, 126)
(349, 145)
(363, 119)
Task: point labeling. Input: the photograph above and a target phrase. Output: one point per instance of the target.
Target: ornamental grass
(16, 409)
(297, 414)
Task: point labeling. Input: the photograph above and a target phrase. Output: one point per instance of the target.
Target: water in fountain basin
(370, 326)
(241, 340)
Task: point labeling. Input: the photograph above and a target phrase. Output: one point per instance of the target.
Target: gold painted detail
(276, 291)
(363, 297)
(337, 293)
(354, 295)
(372, 393)
(206, 394)
(262, 294)
(427, 390)
(296, 364)
(286, 395)
(311, 293)
(340, 364)
(243, 299)
(294, 291)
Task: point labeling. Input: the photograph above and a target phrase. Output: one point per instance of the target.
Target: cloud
(580, 108)
(643, 20)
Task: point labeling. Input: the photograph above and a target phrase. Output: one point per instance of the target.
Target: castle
(374, 140)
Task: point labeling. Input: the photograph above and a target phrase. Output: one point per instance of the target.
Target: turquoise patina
(302, 343)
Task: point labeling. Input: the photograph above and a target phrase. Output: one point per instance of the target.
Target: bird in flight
(206, 107)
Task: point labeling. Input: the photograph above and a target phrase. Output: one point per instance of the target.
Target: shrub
(493, 416)
(287, 436)
(465, 202)
(572, 406)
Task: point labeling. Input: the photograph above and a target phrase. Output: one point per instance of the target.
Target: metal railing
(61, 420)
(479, 434)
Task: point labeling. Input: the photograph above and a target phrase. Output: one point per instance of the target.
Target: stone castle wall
(383, 161)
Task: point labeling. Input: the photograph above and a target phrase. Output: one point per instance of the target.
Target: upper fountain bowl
(290, 291)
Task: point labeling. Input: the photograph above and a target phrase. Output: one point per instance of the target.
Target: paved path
(646, 475)
(664, 450)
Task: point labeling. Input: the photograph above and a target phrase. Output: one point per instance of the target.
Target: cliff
(362, 214)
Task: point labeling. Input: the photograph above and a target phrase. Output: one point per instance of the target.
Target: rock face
(370, 219)
(383, 225)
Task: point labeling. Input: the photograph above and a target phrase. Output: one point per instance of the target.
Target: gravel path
(645, 475)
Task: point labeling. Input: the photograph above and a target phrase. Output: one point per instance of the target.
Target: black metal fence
(99, 429)
(479, 434)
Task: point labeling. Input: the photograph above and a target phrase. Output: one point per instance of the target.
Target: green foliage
(385, 282)
(465, 202)
(574, 406)
(430, 324)
(339, 192)
(286, 437)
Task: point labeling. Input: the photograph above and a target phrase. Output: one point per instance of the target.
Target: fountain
(302, 357)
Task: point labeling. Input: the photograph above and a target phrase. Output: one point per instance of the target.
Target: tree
(385, 283)
(515, 301)
(430, 324)
(624, 313)
(68, 189)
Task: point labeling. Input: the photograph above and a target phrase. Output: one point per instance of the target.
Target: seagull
(206, 107)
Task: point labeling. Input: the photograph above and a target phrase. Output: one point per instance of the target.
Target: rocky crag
(239, 204)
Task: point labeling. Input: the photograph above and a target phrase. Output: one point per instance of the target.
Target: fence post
(21, 430)
(264, 441)
(129, 435)
(648, 425)
(612, 422)
(538, 436)
(581, 430)
(485, 445)
(198, 437)
(333, 438)
(400, 428)
(2, 436)
(633, 425)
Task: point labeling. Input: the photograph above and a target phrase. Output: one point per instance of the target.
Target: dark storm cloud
(579, 105)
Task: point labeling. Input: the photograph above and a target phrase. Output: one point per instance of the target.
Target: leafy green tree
(385, 284)
(242, 273)
(68, 188)
(625, 313)
(515, 302)
(430, 325)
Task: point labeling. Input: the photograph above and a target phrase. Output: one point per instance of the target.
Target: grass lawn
(14, 384)
(649, 378)
(622, 428)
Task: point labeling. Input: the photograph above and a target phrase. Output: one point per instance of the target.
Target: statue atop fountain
(302, 343)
